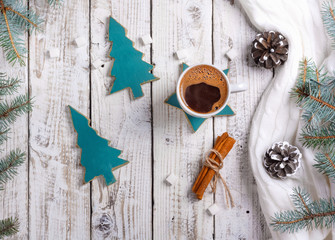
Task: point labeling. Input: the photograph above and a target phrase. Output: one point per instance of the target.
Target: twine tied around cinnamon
(216, 167)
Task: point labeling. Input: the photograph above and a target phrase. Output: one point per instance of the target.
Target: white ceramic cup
(231, 88)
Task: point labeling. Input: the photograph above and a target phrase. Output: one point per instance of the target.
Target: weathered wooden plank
(231, 29)
(123, 210)
(177, 213)
(59, 200)
(14, 199)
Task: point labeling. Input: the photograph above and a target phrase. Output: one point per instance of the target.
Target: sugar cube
(171, 179)
(53, 52)
(213, 209)
(146, 39)
(231, 54)
(80, 42)
(182, 54)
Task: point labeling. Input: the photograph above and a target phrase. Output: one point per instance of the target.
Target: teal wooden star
(194, 121)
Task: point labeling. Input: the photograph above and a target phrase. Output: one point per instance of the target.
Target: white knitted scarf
(277, 117)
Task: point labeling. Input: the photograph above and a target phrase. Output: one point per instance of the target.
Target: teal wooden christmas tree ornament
(97, 156)
(194, 121)
(129, 70)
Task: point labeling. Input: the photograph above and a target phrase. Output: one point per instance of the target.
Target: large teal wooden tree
(96, 156)
(129, 70)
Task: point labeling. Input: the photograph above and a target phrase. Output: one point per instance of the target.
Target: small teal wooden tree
(129, 70)
(97, 157)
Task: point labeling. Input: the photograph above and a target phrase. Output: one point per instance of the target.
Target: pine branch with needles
(9, 165)
(328, 17)
(8, 227)
(314, 93)
(16, 20)
(308, 214)
(10, 109)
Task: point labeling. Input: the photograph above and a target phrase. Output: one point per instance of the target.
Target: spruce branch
(8, 85)
(10, 36)
(314, 93)
(9, 111)
(328, 17)
(308, 214)
(326, 164)
(15, 20)
(9, 165)
(8, 227)
(321, 138)
(3, 134)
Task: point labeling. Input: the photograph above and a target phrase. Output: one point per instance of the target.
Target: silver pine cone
(269, 49)
(282, 160)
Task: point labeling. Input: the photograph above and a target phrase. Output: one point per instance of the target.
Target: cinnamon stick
(204, 170)
(206, 174)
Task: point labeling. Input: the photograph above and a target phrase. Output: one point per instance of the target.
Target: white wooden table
(49, 196)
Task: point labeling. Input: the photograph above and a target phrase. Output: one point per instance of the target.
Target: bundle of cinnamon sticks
(223, 145)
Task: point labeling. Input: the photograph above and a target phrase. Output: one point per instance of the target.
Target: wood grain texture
(49, 195)
(59, 200)
(231, 30)
(124, 209)
(177, 213)
(14, 199)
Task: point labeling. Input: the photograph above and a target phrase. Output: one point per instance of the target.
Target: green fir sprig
(326, 164)
(8, 85)
(9, 165)
(16, 20)
(307, 215)
(321, 138)
(315, 94)
(328, 17)
(8, 227)
(10, 110)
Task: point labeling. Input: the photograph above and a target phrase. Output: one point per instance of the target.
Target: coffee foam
(208, 75)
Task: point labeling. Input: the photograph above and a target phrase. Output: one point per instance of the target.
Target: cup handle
(238, 87)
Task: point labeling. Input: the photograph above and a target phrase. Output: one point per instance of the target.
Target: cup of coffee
(203, 90)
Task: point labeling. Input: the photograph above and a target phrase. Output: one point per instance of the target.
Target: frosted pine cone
(282, 160)
(269, 49)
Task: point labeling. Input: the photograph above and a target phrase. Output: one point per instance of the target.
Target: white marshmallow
(171, 179)
(146, 39)
(213, 209)
(53, 52)
(231, 54)
(80, 42)
(182, 54)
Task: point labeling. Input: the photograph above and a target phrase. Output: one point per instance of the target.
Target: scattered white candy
(80, 42)
(146, 39)
(182, 54)
(239, 87)
(96, 64)
(53, 52)
(231, 54)
(213, 209)
(171, 179)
